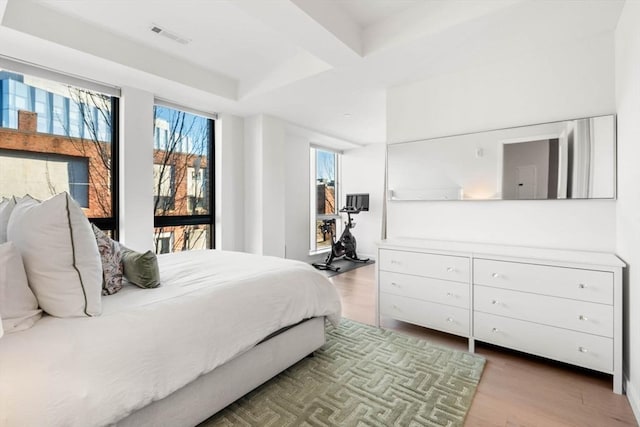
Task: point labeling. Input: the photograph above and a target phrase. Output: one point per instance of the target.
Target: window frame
(313, 215)
(113, 223)
(162, 221)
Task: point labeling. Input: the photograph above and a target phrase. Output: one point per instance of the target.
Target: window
(164, 242)
(183, 155)
(325, 218)
(57, 137)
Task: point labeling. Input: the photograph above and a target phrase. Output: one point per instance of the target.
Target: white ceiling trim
(20, 66)
(319, 139)
(3, 7)
(48, 24)
(304, 30)
(299, 67)
(427, 18)
(329, 16)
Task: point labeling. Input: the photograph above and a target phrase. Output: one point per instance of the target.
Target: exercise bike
(345, 247)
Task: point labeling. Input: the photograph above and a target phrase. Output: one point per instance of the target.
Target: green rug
(364, 376)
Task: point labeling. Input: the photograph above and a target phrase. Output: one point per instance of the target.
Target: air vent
(169, 34)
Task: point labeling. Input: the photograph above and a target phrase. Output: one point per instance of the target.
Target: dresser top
(478, 250)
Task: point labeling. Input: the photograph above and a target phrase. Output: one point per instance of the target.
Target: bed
(220, 324)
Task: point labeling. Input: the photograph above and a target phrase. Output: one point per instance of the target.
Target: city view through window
(326, 208)
(181, 173)
(55, 137)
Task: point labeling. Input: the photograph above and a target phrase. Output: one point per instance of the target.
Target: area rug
(364, 376)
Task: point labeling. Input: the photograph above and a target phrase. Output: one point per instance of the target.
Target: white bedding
(148, 343)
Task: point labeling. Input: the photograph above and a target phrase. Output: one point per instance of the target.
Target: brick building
(41, 165)
(54, 149)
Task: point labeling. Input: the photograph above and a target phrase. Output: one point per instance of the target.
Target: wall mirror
(572, 159)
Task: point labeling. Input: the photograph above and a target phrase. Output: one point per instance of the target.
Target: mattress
(148, 343)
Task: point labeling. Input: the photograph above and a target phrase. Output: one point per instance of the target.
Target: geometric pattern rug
(364, 376)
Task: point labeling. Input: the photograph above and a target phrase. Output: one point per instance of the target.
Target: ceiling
(324, 65)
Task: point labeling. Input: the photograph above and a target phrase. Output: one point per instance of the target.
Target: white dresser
(427, 289)
(559, 304)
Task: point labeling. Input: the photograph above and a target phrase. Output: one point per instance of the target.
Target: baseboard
(370, 256)
(633, 396)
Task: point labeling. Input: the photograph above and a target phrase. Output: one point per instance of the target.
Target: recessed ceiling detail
(305, 61)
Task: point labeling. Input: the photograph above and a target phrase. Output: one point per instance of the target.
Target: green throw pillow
(141, 269)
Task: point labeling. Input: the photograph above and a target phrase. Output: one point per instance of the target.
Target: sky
(326, 165)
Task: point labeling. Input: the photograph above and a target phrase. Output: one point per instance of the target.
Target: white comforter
(148, 343)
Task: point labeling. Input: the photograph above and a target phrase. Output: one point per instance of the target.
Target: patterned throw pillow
(111, 257)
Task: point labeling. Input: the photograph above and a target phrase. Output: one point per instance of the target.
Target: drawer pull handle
(393, 261)
(494, 330)
(394, 284)
(581, 285)
(449, 294)
(449, 319)
(451, 269)
(494, 302)
(581, 317)
(495, 275)
(583, 350)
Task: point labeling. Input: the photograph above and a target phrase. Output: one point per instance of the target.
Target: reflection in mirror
(573, 159)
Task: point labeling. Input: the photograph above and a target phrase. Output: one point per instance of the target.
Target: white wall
(363, 172)
(273, 186)
(567, 82)
(628, 205)
(297, 198)
(229, 161)
(253, 184)
(264, 176)
(136, 169)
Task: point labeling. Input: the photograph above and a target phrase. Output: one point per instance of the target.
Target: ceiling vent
(169, 34)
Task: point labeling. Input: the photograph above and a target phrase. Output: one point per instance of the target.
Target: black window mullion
(113, 223)
(178, 220)
(115, 165)
(212, 183)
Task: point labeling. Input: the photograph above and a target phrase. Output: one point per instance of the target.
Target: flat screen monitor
(358, 201)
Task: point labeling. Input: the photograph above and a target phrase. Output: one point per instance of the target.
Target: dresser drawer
(573, 283)
(589, 351)
(445, 318)
(429, 265)
(425, 288)
(588, 317)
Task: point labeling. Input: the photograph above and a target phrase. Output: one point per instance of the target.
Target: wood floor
(515, 389)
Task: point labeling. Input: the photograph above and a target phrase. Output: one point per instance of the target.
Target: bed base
(212, 392)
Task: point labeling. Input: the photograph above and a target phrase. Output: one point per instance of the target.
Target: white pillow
(6, 207)
(18, 306)
(60, 255)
